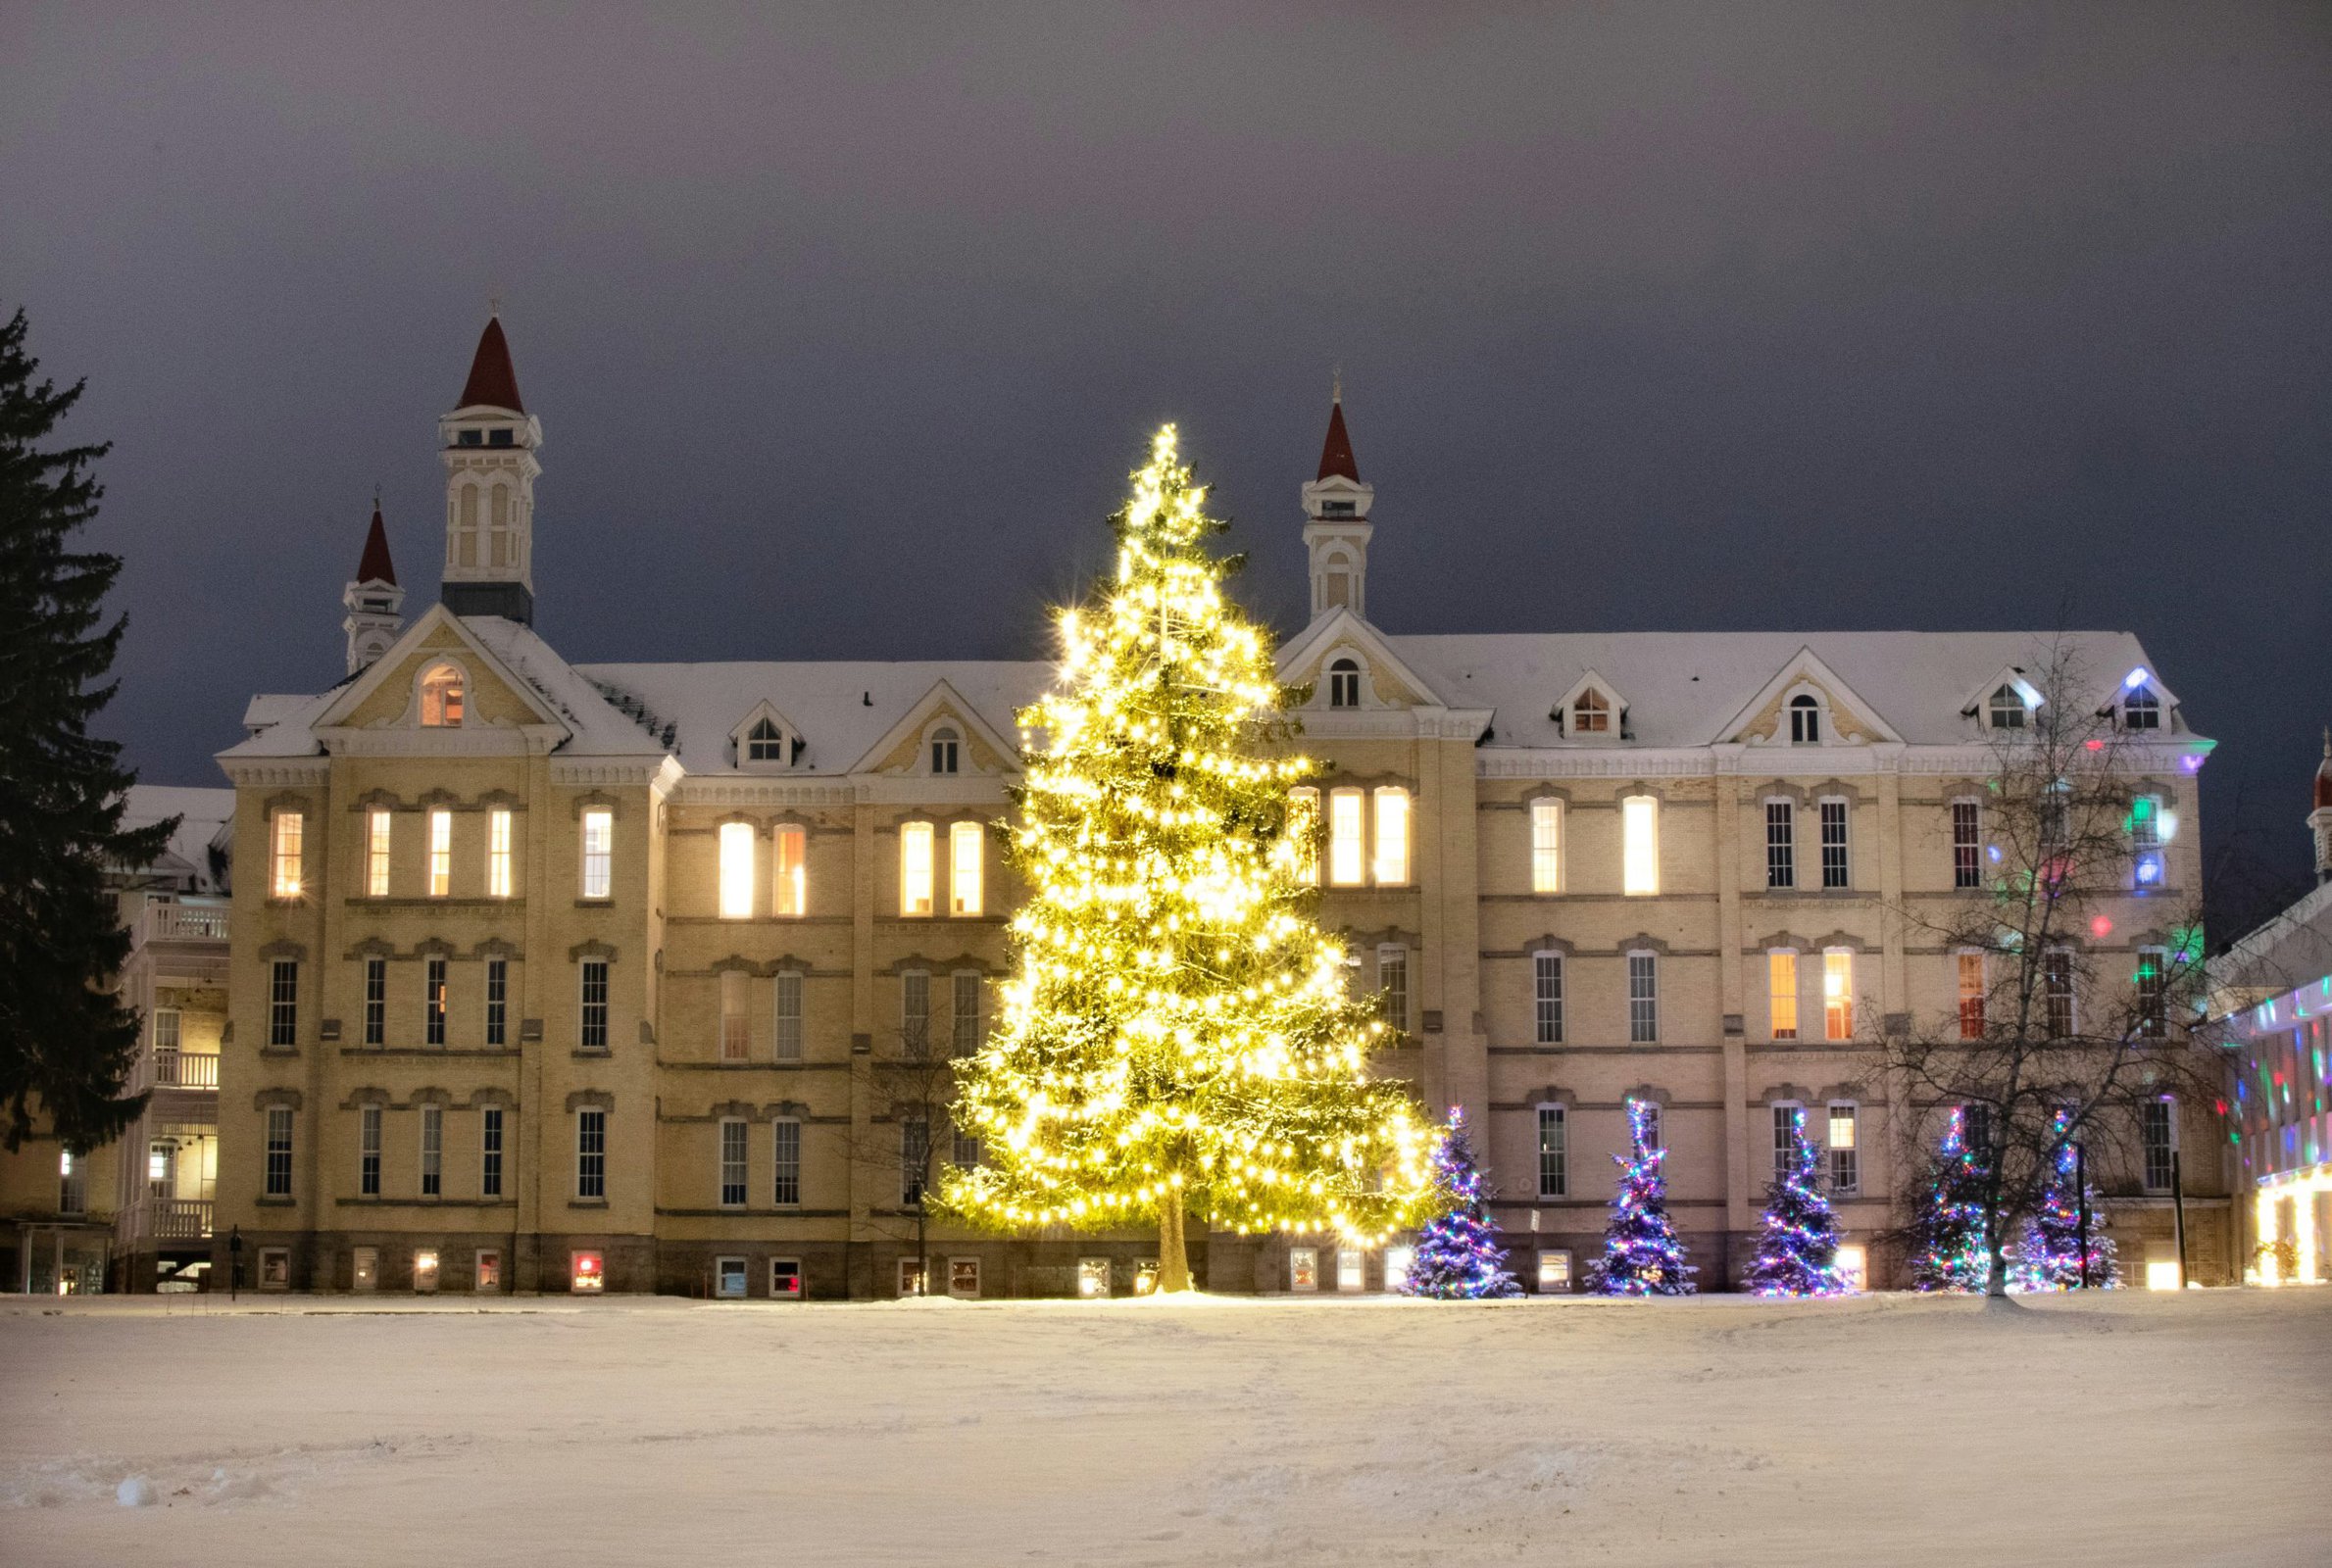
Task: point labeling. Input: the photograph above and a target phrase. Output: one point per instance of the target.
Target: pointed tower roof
(375, 566)
(493, 381)
(1335, 455)
(2323, 776)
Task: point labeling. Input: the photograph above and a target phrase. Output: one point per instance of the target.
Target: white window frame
(1639, 845)
(434, 1010)
(1838, 994)
(1788, 1114)
(1781, 843)
(1594, 712)
(915, 852)
(492, 1135)
(432, 1183)
(1967, 813)
(735, 1001)
(788, 1269)
(1555, 1272)
(372, 1023)
(591, 1163)
(1838, 870)
(1655, 1119)
(1348, 837)
(444, 704)
(1778, 995)
(367, 1151)
(967, 1025)
(1351, 1270)
(945, 752)
(733, 1157)
(485, 1269)
(380, 828)
(1806, 706)
(287, 832)
(785, 1163)
(1962, 996)
(1643, 1010)
(786, 1033)
(2149, 867)
(2152, 1001)
(723, 1266)
(283, 1004)
(1303, 1269)
(967, 856)
(497, 1001)
(501, 883)
(590, 1016)
(914, 1012)
(1545, 999)
(1555, 1160)
(2006, 708)
(1393, 1000)
(1546, 845)
(963, 1278)
(1344, 681)
(1845, 1175)
(1391, 827)
(789, 871)
(441, 852)
(597, 831)
(2050, 960)
(276, 1173)
(738, 853)
(2148, 1147)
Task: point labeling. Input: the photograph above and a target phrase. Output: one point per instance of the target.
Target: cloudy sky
(844, 324)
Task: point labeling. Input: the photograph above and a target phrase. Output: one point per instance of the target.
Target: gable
(489, 698)
(1847, 719)
(1392, 682)
(901, 749)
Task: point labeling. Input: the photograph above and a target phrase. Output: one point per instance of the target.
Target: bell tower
(1336, 527)
(372, 600)
(2319, 821)
(488, 443)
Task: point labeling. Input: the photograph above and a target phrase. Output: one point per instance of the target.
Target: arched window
(441, 698)
(765, 741)
(945, 750)
(1344, 684)
(2007, 708)
(1591, 714)
(1806, 721)
(2141, 709)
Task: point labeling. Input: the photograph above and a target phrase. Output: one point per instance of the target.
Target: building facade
(552, 977)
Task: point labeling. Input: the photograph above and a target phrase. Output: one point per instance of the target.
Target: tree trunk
(1173, 1260)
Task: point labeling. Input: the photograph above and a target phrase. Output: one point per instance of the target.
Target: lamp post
(2081, 1190)
(234, 1261)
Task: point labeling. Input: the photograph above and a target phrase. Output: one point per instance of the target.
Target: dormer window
(1338, 509)
(2007, 710)
(441, 698)
(1806, 721)
(2141, 709)
(1591, 714)
(764, 743)
(946, 747)
(1344, 684)
(498, 438)
(470, 439)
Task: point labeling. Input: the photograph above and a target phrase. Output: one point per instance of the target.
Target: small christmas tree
(2049, 1253)
(1949, 1248)
(1642, 1255)
(1798, 1251)
(1459, 1257)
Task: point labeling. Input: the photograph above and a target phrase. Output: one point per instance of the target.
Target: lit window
(433, 1151)
(2057, 990)
(498, 875)
(914, 1012)
(592, 1035)
(1591, 714)
(1347, 858)
(1789, 1119)
(1392, 986)
(964, 1016)
(285, 857)
(1392, 837)
(283, 1003)
(1838, 994)
(1303, 1269)
(1547, 996)
(377, 853)
(599, 853)
(368, 1152)
(963, 1278)
(442, 854)
(279, 1171)
(1806, 721)
(1972, 996)
(489, 1165)
(2007, 708)
(2141, 709)
(1834, 843)
(786, 1144)
(1546, 846)
(376, 1001)
(785, 1279)
(1302, 823)
(915, 869)
(497, 1001)
(965, 843)
(1643, 997)
(591, 1153)
(788, 1044)
(1967, 845)
(433, 1003)
(1553, 1151)
(1852, 1267)
(2153, 988)
(911, 1276)
(1351, 1269)
(1639, 831)
(1398, 1260)
(946, 750)
(586, 1273)
(792, 868)
(736, 870)
(1553, 1272)
(2146, 841)
(1781, 993)
(1846, 1173)
(764, 742)
(441, 698)
(2160, 1133)
(1344, 684)
(1781, 844)
(728, 1279)
(1093, 1278)
(732, 1162)
(736, 1024)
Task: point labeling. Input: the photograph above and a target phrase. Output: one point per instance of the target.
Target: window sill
(439, 900)
(587, 1203)
(276, 1202)
(429, 1050)
(586, 1054)
(278, 1051)
(607, 903)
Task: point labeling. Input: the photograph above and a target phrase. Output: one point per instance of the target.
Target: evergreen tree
(66, 1040)
(1948, 1248)
(1798, 1249)
(1642, 1255)
(1459, 1257)
(2049, 1253)
(1178, 1036)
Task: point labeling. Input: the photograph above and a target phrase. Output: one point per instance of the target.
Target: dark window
(498, 438)
(368, 1152)
(283, 1003)
(1554, 1147)
(1967, 850)
(1806, 721)
(766, 743)
(2154, 1010)
(2056, 973)
(280, 1152)
(1344, 684)
(489, 1176)
(591, 1153)
(2141, 709)
(1834, 866)
(1781, 849)
(915, 1159)
(1547, 983)
(2161, 1144)
(594, 1035)
(945, 748)
(376, 1001)
(433, 1004)
(497, 1001)
(468, 438)
(788, 1143)
(1643, 998)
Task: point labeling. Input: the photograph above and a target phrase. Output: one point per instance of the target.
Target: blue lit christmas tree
(2049, 1253)
(1949, 1249)
(1798, 1249)
(1459, 1256)
(1642, 1255)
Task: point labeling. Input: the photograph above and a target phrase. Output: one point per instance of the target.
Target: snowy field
(2125, 1429)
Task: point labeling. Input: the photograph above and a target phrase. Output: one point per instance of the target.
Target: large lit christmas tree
(1798, 1249)
(1642, 1255)
(2049, 1253)
(1949, 1248)
(1459, 1256)
(1177, 1037)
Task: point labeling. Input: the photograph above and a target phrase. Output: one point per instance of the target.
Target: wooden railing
(183, 923)
(177, 1219)
(187, 1070)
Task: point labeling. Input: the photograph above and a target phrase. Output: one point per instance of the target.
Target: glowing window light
(1392, 837)
(1853, 1267)
(441, 698)
(284, 854)
(736, 870)
(498, 874)
(442, 854)
(2162, 1273)
(599, 853)
(1639, 839)
(1781, 993)
(377, 853)
(1838, 995)
(964, 841)
(1093, 1278)
(587, 1275)
(915, 869)
(1546, 846)
(2134, 679)
(1346, 829)
(791, 883)
(1398, 1260)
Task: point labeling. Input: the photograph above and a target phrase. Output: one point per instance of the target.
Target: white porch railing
(182, 922)
(187, 1070)
(177, 1219)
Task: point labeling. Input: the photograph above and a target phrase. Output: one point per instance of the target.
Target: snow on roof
(204, 815)
(1681, 688)
(281, 724)
(600, 728)
(842, 707)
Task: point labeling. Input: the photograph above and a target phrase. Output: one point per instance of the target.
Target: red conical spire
(1335, 455)
(492, 379)
(375, 566)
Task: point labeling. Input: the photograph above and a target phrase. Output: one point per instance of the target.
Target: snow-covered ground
(2122, 1429)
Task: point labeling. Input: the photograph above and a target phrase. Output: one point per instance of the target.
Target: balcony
(182, 922)
(186, 1069)
(176, 1219)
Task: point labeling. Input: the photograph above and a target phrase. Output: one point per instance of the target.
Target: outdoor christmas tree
(1949, 1249)
(1642, 1255)
(1798, 1249)
(1178, 1036)
(2049, 1253)
(1459, 1257)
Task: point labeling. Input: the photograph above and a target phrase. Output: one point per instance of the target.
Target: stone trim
(284, 947)
(267, 1098)
(593, 948)
(596, 1099)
